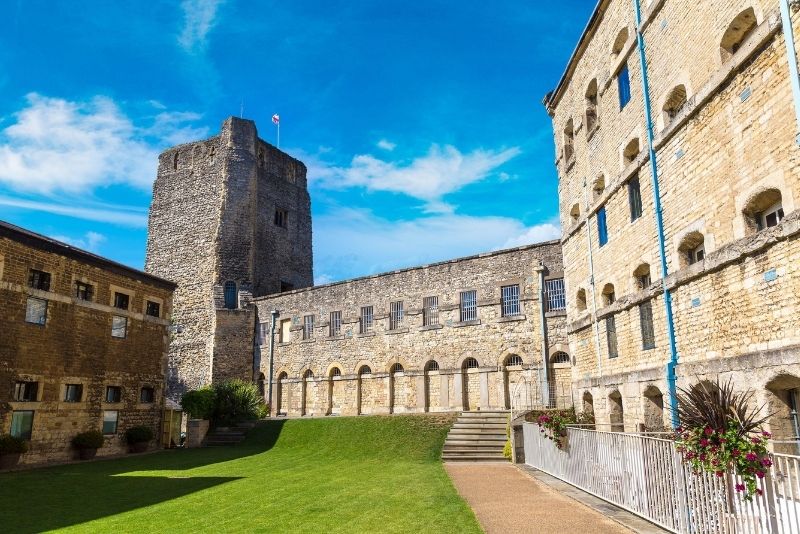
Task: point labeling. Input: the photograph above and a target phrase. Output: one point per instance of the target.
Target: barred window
(308, 327)
(510, 300)
(646, 322)
(366, 319)
(335, 327)
(555, 294)
(611, 336)
(39, 280)
(470, 363)
(83, 291)
(395, 315)
(469, 305)
(430, 311)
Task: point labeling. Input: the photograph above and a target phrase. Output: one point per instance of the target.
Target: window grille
(430, 311)
(153, 309)
(39, 280)
(365, 370)
(308, 327)
(514, 359)
(396, 368)
(602, 230)
(470, 363)
(281, 218)
(645, 281)
(230, 295)
(646, 321)
(83, 291)
(635, 198)
(469, 305)
(624, 86)
(432, 365)
(147, 395)
(395, 315)
(336, 372)
(335, 327)
(611, 336)
(510, 301)
(555, 294)
(560, 357)
(366, 319)
(121, 301)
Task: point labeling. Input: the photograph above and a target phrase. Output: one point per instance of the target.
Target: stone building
(230, 219)
(83, 345)
(728, 166)
(471, 333)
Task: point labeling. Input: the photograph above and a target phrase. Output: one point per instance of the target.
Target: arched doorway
(783, 402)
(395, 373)
(280, 403)
(335, 391)
(471, 384)
(306, 405)
(432, 385)
(653, 410)
(364, 372)
(512, 373)
(261, 380)
(560, 379)
(588, 407)
(616, 413)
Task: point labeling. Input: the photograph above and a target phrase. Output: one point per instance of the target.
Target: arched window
(569, 140)
(737, 33)
(615, 412)
(308, 374)
(764, 210)
(560, 357)
(396, 368)
(470, 363)
(692, 249)
(365, 370)
(631, 151)
(642, 276)
(336, 372)
(619, 42)
(432, 365)
(283, 376)
(598, 186)
(575, 212)
(513, 359)
(591, 107)
(608, 294)
(588, 403)
(231, 300)
(580, 299)
(674, 103)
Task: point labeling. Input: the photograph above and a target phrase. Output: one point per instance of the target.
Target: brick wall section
(491, 340)
(75, 345)
(734, 139)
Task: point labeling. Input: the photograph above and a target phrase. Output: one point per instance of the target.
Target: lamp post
(275, 315)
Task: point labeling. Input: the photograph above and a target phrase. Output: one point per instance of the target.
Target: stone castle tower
(230, 220)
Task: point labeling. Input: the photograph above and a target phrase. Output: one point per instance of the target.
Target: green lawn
(365, 474)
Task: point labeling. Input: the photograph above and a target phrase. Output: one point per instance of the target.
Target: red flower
(709, 431)
(720, 474)
(751, 456)
(760, 474)
(760, 492)
(739, 487)
(766, 434)
(704, 442)
(766, 462)
(735, 452)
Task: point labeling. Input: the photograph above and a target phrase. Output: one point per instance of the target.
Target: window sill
(555, 313)
(511, 318)
(474, 322)
(431, 327)
(311, 340)
(334, 338)
(403, 330)
(284, 343)
(366, 334)
(112, 405)
(25, 405)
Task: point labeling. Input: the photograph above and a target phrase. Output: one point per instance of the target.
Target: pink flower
(709, 431)
(766, 434)
(751, 456)
(756, 440)
(702, 457)
(760, 474)
(766, 462)
(735, 452)
(704, 442)
(720, 474)
(739, 487)
(760, 492)
(679, 429)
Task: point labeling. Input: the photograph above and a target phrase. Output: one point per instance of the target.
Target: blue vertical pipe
(794, 77)
(673, 350)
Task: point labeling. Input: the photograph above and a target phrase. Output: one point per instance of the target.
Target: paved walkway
(507, 501)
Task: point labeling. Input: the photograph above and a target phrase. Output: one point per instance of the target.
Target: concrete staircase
(228, 435)
(477, 437)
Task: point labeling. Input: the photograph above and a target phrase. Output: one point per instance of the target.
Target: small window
(770, 217)
(430, 311)
(396, 368)
(285, 335)
(608, 294)
(513, 360)
(469, 305)
(36, 311)
(580, 299)
(737, 33)
(121, 301)
(569, 142)
(692, 249)
(470, 363)
(560, 357)
(602, 230)
(509, 298)
(556, 294)
(147, 395)
(83, 291)
(39, 280)
(119, 326)
(26, 391)
(619, 41)
(635, 198)
(308, 327)
(611, 336)
(591, 107)
(110, 418)
(598, 187)
(22, 424)
(281, 218)
(646, 323)
(336, 372)
(624, 87)
(335, 326)
(113, 394)
(631, 151)
(697, 254)
(575, 212)
(153, 309)
(642, 276)
(432, 365)
(364, 370)
(230, 293)
(366, 319)
(396, 315)
(674, 103)
(73, 393)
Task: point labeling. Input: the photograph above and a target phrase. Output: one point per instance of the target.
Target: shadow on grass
(56, 497)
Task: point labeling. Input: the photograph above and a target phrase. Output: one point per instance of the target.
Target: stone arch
(642, 278)
(587, 403)
(511, 369)
(691, 248)
(305, 402)
(569, 141)
(616, 411)
(432, 384)
(653, 409)
(631, 151)
(560, 379)
(737, 32)
(397, 385)
(591, 106)
(783, 402)
(609, 296)
(619, 41)
(674, 103)
(470, 382)
(402, 361)
(261, 382)
(363, 369)
(763, 209)
(336, 389)
(280, 402)
(580, 299)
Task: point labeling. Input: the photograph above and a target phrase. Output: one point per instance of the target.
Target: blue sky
(420, 122)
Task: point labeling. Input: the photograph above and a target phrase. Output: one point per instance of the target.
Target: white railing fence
(646, 476)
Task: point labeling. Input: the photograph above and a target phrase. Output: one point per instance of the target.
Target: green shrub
(199, 404)
(12, 445)
(235, 401)
(507, 449)
(139, 434)
(263, 412)
(92, 439)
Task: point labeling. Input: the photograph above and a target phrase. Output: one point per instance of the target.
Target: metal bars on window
(646, 321)
(335, 327)
(510, 301)
(469, 305)
(308, 326)
(430, 311)
(366, 319)
(395, 315)
(555, 294)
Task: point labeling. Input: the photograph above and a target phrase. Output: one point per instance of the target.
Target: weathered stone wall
(75, 345)
(732, 140)
(490, 339)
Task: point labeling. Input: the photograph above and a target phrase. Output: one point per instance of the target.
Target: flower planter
(87, 454)
(138, 447)
(7, 461)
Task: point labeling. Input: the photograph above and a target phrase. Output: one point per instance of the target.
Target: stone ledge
(431, 327)
(510, 319)
(366, 334)
(403, 330)
(312, 340)
(555, 313)
(460, 324)
(333, 338)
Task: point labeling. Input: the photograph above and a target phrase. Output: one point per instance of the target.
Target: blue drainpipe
(788, 34)
(673, 350)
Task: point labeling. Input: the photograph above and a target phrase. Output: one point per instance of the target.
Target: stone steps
(226, 436)
(477, 437)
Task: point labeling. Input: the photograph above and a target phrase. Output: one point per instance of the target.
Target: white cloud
(122, 215)
(55, 145)
(386, 145)
(91, 241)
(198, 19)
(354, 242)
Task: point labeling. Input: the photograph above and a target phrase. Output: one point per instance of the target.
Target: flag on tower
(276, 119)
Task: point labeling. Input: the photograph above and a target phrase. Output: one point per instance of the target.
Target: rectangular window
(22, 424)
(39, 280)
(36, 311)
(611, 336)
(624, 86)
(147, 395)
(366, 319)
(281, 218)
(469, 305)
(646, 322)
(602, 230)
(555, 293)
(510, 301)
(286, 331)
(119, 326)
(121, 301)
(113, 394)
(645, 281)
(635, 198)
(308, 327)
(73, 392)
(26, 391)
(153, 309)
(430, 311)
(395, 315)
(110, 418)
(335, 327)
(83, 291)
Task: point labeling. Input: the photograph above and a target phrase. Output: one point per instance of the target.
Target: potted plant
(87, 443)
(138, 437)
(11, 448)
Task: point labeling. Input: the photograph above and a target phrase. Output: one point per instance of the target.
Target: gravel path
(507, 501)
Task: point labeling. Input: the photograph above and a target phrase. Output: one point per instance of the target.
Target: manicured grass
(366, 474)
